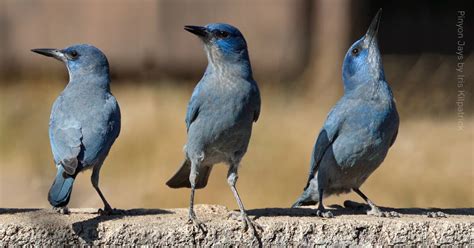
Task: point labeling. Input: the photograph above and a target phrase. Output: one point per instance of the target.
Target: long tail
(60, 191)
(304, 200)
(181, 178)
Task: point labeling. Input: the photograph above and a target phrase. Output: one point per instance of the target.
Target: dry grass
(431, 164)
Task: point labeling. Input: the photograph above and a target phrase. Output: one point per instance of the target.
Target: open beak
(50, 52)
(202, 32)
(373, 28)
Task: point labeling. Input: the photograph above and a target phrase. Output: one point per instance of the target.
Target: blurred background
(296, 48)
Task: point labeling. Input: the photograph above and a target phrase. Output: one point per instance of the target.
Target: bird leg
(192, 216)
(322, 212)
(95, 183)
(374, 210)
(232, 180)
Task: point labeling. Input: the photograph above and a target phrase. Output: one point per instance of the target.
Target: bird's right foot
(372, 211)
(247, 224)
(196, 223)
(375, 211)
(107, 210)
(322, 212)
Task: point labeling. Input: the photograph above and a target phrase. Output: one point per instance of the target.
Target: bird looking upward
(220, 114)
(84, 121)
(358, 131)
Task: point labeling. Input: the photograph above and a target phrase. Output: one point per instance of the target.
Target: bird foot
(235, 216)
(375, 211)
(247, 224)
(438, 214)
(324, 213)
(197, 223)
(61, 210)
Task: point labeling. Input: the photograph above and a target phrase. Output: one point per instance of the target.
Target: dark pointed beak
(197, 30)
(50, 52)
(373, 28)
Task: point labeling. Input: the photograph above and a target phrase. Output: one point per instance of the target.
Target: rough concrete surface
(279, 227)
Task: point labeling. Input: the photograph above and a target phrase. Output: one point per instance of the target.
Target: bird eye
(222, 34)
(355, 51)
(73, 54)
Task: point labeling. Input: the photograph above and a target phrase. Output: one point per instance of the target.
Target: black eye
(222, 34)
(73, 54)
(355, 51)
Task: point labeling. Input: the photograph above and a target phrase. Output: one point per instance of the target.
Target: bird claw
(196, 223)
(324, 213)
(375, 211)
(253, 227)
(235, 216)
(61, 210)
(438, 214)
(247, 224)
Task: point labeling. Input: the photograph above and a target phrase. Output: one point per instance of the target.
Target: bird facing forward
(220, 114)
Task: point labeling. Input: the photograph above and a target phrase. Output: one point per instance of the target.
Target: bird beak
(50, 52)
(201, 32)
(373, 28)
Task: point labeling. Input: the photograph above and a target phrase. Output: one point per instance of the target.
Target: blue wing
(326, 138)
(114, 121)
(193, 106)
(103, 128)
(65, 135)
(257, 101)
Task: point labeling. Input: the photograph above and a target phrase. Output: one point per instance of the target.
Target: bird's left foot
(61, 210)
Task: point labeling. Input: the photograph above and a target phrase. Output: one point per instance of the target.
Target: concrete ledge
(280, 227)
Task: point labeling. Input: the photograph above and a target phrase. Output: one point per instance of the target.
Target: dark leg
(192, 216)
(374, 210)
(95, 184)
(232, 180)
(322, 212)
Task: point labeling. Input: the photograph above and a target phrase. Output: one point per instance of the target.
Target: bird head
(81, 60)
(363, 63)
(222, 42)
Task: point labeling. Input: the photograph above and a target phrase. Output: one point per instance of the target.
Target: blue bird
(358, 131)
(220, 114)
(84, 121)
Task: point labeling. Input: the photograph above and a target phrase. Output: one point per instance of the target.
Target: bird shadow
(361, 209)
(88, 229)
(17, 210)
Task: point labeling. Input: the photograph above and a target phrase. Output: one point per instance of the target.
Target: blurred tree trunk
(329, 32)
(3, 36)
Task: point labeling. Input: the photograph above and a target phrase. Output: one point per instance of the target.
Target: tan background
(296, 49)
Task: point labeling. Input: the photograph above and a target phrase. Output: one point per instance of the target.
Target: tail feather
(304, 200)
(60, 192)
(181, 177)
